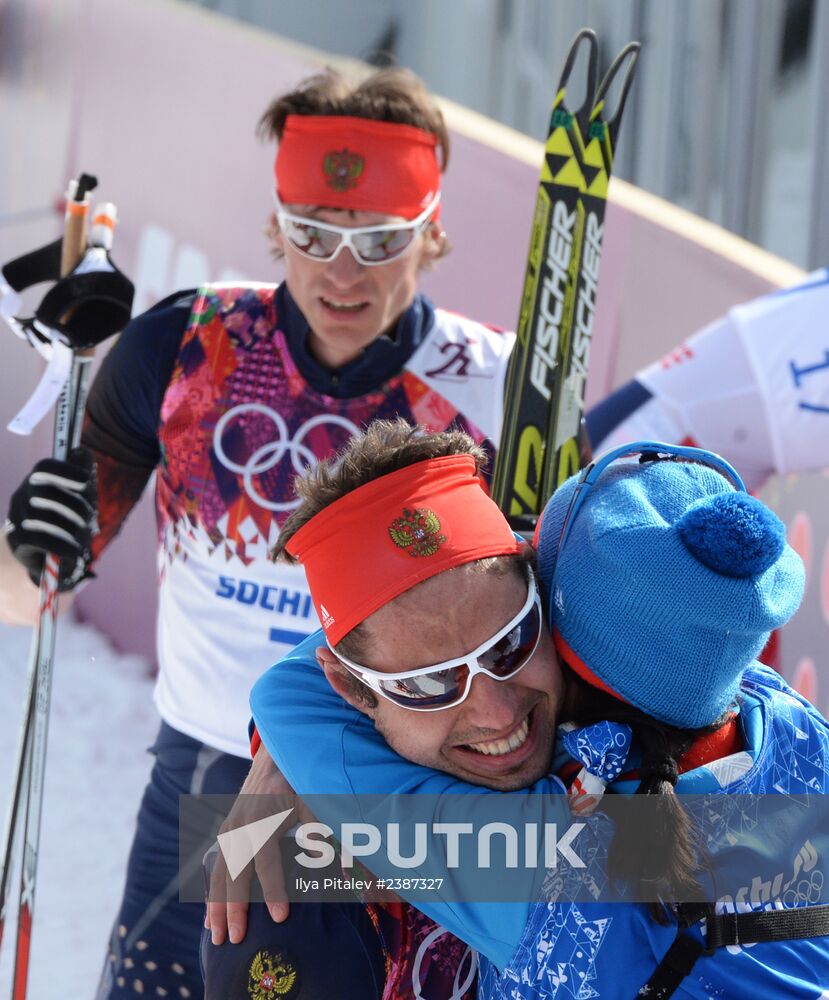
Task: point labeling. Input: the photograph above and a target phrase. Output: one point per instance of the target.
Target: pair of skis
(544, 399)
(90, 280)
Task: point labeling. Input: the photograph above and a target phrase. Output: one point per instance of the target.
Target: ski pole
(21, 773)
(72, 247)
(32, 759)
(91, 299)
(43, 653)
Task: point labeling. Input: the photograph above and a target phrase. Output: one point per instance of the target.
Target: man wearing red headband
(439, 561)
(226, 393)
(440, 574)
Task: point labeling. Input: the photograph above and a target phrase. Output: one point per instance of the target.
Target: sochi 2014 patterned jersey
(237, 421)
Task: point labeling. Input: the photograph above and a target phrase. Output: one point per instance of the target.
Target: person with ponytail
(660, 579)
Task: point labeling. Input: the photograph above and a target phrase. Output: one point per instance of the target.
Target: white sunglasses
(444, 685)
(370, 245)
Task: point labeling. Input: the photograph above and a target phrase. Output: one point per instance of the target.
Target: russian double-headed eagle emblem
(417, 531)
(270, 977)
(343, 169)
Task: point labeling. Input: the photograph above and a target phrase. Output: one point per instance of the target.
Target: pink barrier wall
(165, 104)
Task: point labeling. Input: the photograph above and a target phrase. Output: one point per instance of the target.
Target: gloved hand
(54, 510)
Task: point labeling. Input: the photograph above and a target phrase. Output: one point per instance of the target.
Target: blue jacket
(595, 950)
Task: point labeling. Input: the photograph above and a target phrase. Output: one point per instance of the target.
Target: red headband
(333, 161)
(381, 539)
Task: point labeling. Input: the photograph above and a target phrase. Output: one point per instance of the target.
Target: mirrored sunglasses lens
(311, 240)
(382, 245)
(429, 690)
(512, 651)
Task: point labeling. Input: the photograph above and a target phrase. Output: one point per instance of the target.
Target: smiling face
(501, 735)
(347, 304)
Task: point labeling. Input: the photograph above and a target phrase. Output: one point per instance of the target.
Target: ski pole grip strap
(31, 268)
(88, 307)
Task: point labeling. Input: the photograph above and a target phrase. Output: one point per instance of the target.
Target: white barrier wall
(164, 103)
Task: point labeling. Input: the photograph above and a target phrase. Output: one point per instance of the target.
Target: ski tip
(580, 34)
(585, 37)
(626, 60)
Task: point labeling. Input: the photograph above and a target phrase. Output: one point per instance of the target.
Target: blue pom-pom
(733, 533)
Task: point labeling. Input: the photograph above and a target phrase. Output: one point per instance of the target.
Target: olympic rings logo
(271, 454)
(807, 892)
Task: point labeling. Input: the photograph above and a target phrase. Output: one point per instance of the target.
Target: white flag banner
(754, 385)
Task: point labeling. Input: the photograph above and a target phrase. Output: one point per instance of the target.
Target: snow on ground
(101, 724)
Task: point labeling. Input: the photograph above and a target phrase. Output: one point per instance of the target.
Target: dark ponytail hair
(665, 857)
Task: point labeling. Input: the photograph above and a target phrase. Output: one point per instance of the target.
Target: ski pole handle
(74, 225)
(36, 721)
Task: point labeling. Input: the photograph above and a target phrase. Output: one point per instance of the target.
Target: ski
(559, 287)
(549, 285)
(562, 456)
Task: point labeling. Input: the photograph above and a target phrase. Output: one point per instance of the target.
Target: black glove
(55, 511)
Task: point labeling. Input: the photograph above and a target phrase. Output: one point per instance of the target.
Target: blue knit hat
(667, 585)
